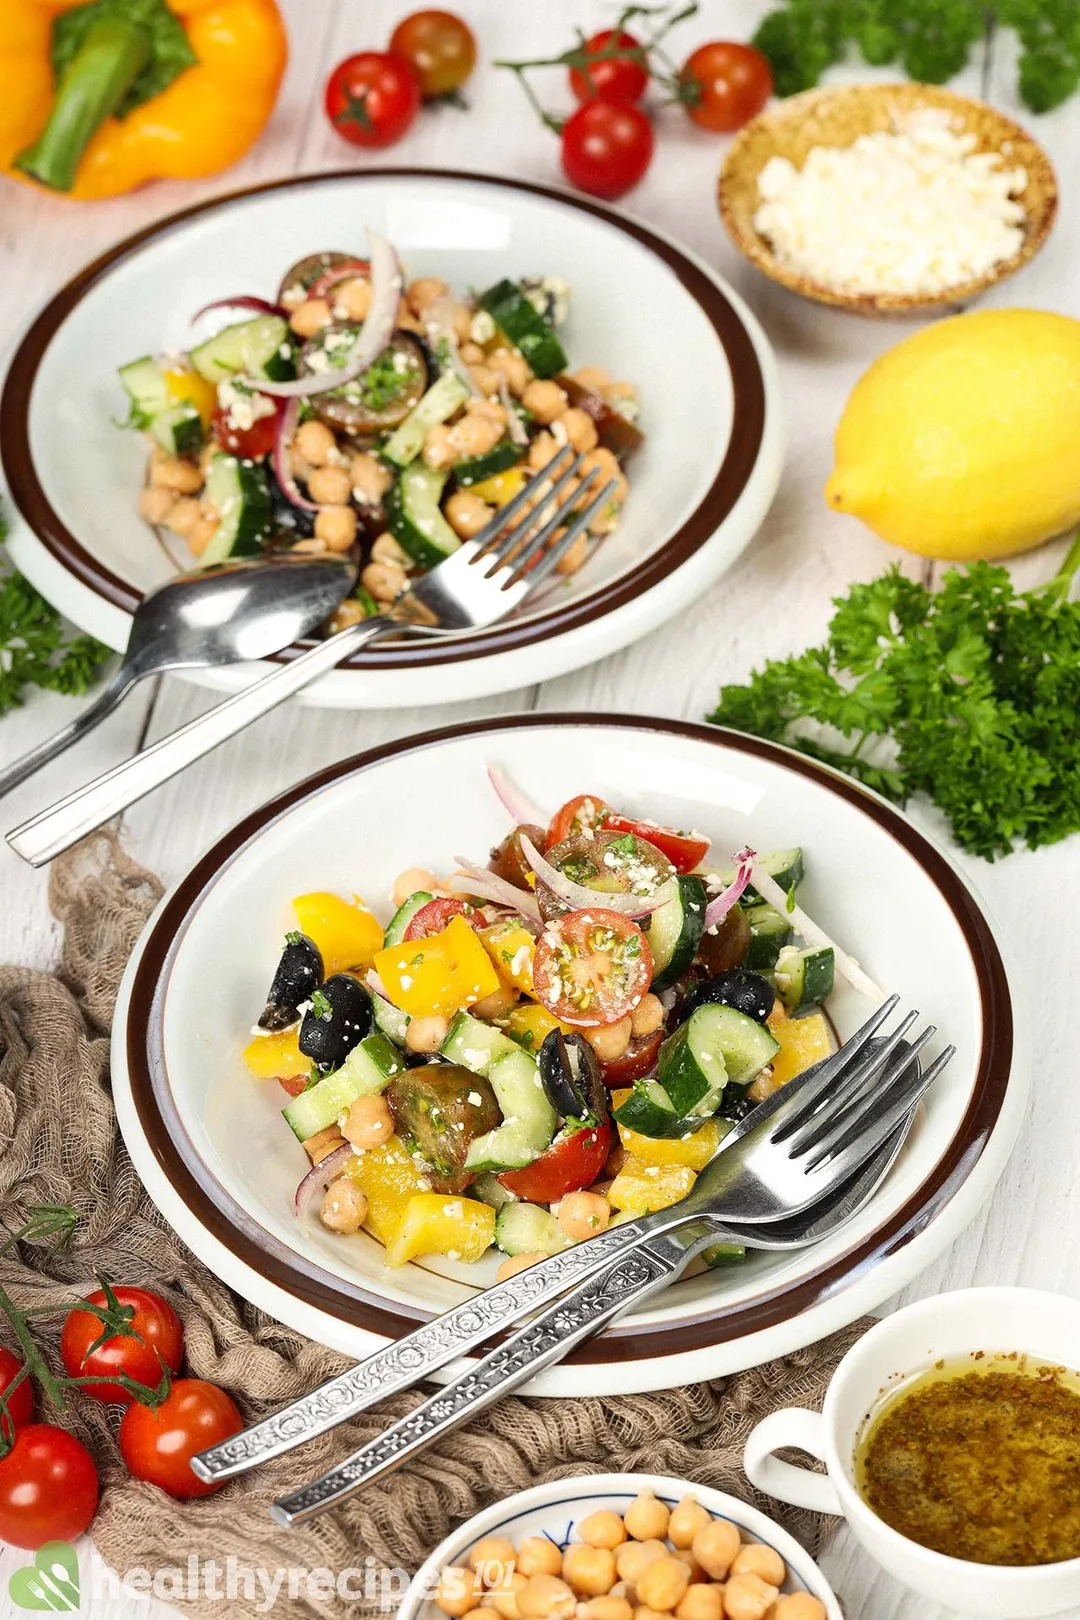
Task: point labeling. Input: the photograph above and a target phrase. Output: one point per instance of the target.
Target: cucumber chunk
(403, 916)
(770, 931)
(390, 1019)
(675, 931)
(706, 1064)
(260, 347)
(529, 1121)
(179, 430)
(174, 424)
(490, 1190)
(442, 399)
(415, 519)
(367, 1070)
(804, 979)
(241, 493)
(476, 1046)
(786, 866)
(528, 331)
(496, 460)
(529, 1229)
(718, 1255)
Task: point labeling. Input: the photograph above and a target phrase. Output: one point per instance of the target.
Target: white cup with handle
(1043, 1326)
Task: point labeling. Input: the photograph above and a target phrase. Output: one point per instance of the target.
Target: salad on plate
(355, 409)
(534, 1049)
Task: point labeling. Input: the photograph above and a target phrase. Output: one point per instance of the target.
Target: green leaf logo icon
(50, 1583)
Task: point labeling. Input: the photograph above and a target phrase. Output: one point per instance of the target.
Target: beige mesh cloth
(61, 1145)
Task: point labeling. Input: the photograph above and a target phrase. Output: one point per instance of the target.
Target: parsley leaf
(967, 696)
(170, 52)
(35, 649)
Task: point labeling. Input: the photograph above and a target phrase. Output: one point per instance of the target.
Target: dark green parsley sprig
(968, 695)
(35, 649)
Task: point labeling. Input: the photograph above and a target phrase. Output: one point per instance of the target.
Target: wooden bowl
(835, 117)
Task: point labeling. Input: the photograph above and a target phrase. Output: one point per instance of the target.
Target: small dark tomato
(440, 1110)
(508, 859)
(382, 396)
(638, 1060)
(300, 277)
(606, 863)
(440, 47)
(615, 70)
(337, 1020)
(616, 434)
(571, 1077)
(372, 98)
(727, 946)
(747, 992)
(299, 974)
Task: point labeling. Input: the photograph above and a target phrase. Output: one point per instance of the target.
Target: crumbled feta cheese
(481, 327)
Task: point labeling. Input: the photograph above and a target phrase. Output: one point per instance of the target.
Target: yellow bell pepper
(803, 1041)
(230, 55)
(277, 1056)
(694, 1151)
(389, 1178)
(185, 386)
(345, 931)
(639, 1188)
(501, 487)
(512, 949)
(530, 1025)
(435, 1223)
(438, 975)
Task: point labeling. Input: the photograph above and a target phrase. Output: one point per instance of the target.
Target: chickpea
(633, 1557)
(336, 525)
(472, 354)
(648, 1016)
(602, 1529)
(589, 1570)
(323, 1143)
(607, 1607)
(423, 292)
(580, 428)
(492, 1550)
(686, 1556)
(485, 378)
(515, 1263)
(461, 321)
(385, 581)
(687, 1518)
(369, 478)
(606, 519)
(748, 1597)
(426, 1034)
(798, 1606)
(345, 614)
(411, 881)
(467, 513)
(310, 317)
(545, 399)
(498, 1004)
(643, 1612)
(482, 1613)
(344, 1206)
(369, 1123)
(352, 299)
(439, 449)
(329, 486)
(716, 1546)
(763, 1086)
(573, 558)
(491, 410)
(702, 1602)
(309, 547)
(663, 1583)
(156, 504)
(607, 465)
(314, 442)
(546, 1597)
(610, 1042)
(385, 549)
(582, 1215)
(182, 477)
(475, 435)
(646, 1518)
(538, 1556)
(456, 1591)
(184, 516)
(544, 448)
(594, 378)
(513, 368)
(757, 1559)
(202, 534)
(505, 1598)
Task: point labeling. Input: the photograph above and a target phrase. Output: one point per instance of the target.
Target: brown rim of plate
(846, 111)
(350, 1303)
(747, 430)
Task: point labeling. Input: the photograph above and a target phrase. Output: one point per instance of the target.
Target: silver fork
(479, 583)
(463, 1329)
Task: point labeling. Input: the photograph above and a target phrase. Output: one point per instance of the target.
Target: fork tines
(528, 551)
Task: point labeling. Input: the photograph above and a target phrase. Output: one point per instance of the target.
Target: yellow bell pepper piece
(803, 1041)
(345, 931)
(389, 1178)
(530, 1025)
(438, 975)
(511, 948)
(639, 1188)
(183, 384)
(435, 1223)
(277, 1056)
(693, 1151)
(501, 487)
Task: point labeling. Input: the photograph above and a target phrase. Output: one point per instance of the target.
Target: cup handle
(794, 1426)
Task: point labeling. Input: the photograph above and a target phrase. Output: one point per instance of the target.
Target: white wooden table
(776, 600)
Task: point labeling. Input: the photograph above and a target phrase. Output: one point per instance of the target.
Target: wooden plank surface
(776, 599)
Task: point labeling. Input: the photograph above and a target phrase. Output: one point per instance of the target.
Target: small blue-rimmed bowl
(555, 1510)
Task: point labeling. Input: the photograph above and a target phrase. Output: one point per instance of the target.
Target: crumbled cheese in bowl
(912, 210)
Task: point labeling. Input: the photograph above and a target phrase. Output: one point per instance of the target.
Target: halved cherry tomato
(508, 858)
(293, 1084)
(577, 816)
(158, 1445)
(48, 1487)
(248, 442)
(683, 850)
(575, 1162)
(151, 1338)
(591, 967)
(606, 147)
(372, 98)
(433, 917)
(725, 85)
(640, 1056)
(440, 47)
(20, 1407)
(611, 77)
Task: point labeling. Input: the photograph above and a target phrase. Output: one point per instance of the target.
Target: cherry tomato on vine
(606, 147)
(724, 85)
(610, 77)
(20, 1408)
(158, 1446)
(373, 97)
(154, 1339)
(48, 1487)
(250, 442)
(440, 47)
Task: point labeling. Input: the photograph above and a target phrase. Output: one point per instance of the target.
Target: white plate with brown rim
(209, 1142)
(643, 307)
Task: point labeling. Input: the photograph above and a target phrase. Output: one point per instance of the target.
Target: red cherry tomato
(576, 816)
(372, 98)
(683, 850)
(571, 1164)
(440, 47)
(591, 967)
(433, 917)
(728, 84)
(610, 77)
(48, 1487)
(158, 1446)
(249, 442)
(20, 1408)
(606, 147)
(640, 1056)
(293, 1084)
(154, 1339)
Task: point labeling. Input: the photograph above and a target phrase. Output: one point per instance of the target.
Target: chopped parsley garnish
(320, 1006)
(35, 648)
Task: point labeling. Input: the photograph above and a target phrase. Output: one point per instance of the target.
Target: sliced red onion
(387, 281)
(514, 425)
(718, 908)
(376, 984)
(521, 810)
(320, 1176)
(580, 898)
(261, 306)
(770, 891)
(283, 438)
(333, 278)
(489, 886)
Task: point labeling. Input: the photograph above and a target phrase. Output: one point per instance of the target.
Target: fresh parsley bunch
(931, 40)
(969, 695)
(34, 647)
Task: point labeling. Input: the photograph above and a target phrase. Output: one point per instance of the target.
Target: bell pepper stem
(111, 58)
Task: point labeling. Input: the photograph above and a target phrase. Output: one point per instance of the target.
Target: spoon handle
(118, 684)
(64, 823)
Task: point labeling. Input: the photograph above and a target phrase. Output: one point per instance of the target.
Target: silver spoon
(227, 613)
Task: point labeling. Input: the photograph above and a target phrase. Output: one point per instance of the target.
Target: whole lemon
(964, 440)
